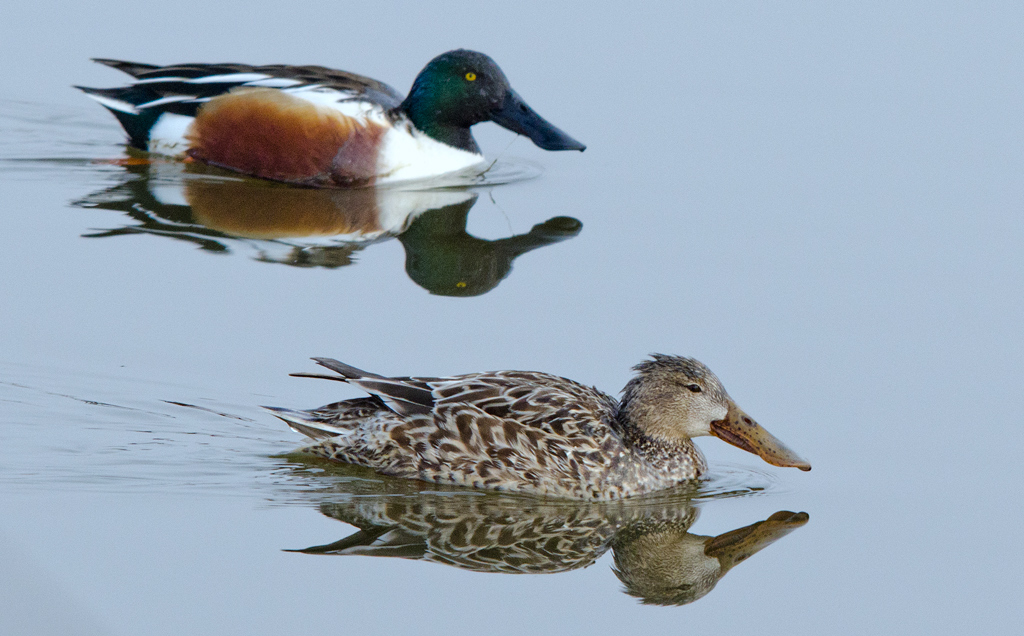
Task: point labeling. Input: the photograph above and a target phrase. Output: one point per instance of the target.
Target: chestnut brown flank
(267, 133)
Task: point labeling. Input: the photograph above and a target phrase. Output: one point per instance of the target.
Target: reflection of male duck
(322, 228)
(442, 257)
(655, 556)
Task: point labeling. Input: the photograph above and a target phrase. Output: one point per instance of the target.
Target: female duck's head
(461, 88)
(672, 399)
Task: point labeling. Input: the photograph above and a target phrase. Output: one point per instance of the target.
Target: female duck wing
(533, 399)
(506, 430)
(405, 396)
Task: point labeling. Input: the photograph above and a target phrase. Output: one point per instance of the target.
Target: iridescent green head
(460, 88)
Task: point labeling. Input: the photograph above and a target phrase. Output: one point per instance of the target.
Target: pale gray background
(820, 201)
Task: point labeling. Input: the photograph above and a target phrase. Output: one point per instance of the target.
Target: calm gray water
(822, 203)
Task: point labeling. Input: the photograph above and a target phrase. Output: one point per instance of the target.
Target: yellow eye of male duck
(471, 76)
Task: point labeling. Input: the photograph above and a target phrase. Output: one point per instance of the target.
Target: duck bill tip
(516, 115)
(796, 462)
(740, 430)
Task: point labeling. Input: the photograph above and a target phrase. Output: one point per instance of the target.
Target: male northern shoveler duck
(315, 126)
(531, 432)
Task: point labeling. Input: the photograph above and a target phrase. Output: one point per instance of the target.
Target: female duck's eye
(694, 387)
(471, 76)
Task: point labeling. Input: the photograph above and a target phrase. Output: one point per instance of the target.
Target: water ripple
(119, 434)
(36, 138)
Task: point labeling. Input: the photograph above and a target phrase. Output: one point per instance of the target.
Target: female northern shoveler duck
(536, 433)
(315, 126)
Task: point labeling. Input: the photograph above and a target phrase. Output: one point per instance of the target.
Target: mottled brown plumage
(527, 431)
(655, 555)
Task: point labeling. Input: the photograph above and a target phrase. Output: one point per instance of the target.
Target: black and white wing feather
(181, 89)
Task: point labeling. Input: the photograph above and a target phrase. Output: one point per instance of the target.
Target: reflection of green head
(444, 259)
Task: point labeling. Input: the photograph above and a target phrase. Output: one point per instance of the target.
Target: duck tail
(405, 396)
(348, 372)
(301, 422)
(131, 68)
(123, 104)
(345, 372)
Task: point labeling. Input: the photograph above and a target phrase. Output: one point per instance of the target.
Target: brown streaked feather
(516, 431)
(502, 430)
(269, 134)
(407, 396)
(347, 371)
(404, 398)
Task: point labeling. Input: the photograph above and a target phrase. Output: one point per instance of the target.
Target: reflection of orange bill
(736, 545)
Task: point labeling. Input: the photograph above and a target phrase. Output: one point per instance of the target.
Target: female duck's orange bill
(740, 430)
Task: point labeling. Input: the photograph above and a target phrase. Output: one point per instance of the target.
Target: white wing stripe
(166, 100)
(275, 82)
(158, 80)
(240, 78)
(115, 104)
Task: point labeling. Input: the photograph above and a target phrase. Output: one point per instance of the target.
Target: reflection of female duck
(526, 431)
(440, 255)
(655, 556)
(662, 564)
